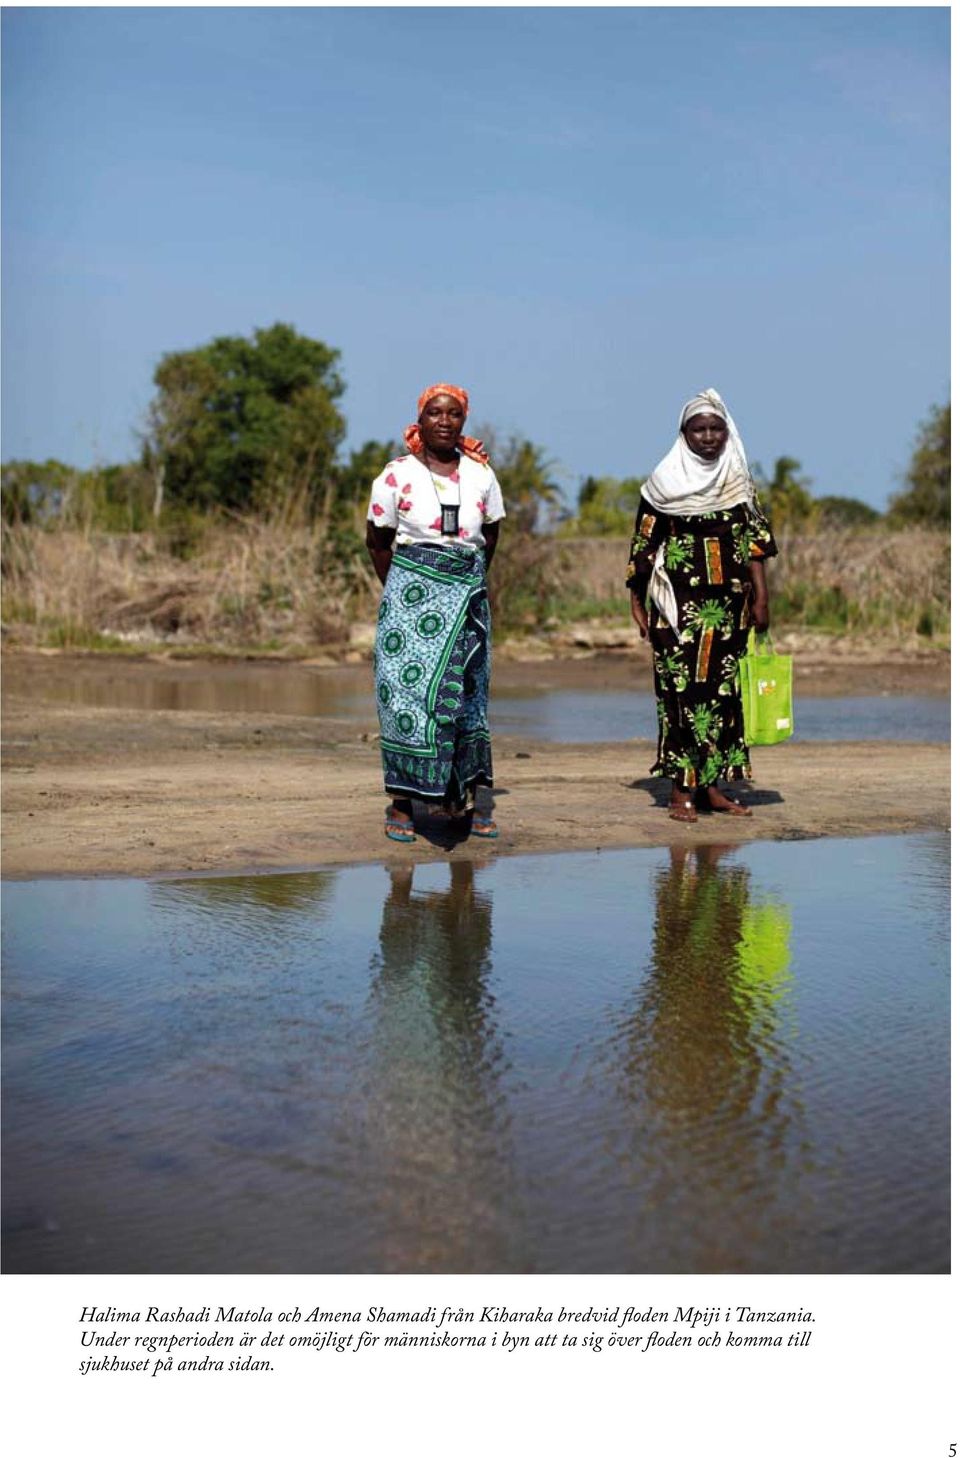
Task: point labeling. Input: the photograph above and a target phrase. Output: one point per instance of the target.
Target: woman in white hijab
(698, 553)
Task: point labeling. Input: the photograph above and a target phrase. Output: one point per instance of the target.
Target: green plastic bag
(766, 687)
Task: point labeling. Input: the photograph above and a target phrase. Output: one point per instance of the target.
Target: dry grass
(877, 581)
(248, 584)
(895, 582)
(285, 587)
(268, 586)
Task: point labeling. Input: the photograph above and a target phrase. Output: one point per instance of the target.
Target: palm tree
(784, 495)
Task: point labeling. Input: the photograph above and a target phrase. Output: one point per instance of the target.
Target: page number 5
(953, 1451)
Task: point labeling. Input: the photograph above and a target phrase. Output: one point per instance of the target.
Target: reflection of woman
(698, 551)
(720, 965)
(432, 531)
(440, 1136)
(704, 1056)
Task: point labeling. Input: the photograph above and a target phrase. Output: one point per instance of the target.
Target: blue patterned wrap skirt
(432, 667)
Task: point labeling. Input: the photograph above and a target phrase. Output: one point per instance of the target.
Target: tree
(606, 507)
(44, 493)
(344, 504)
(784, 495)
(350, 483)
(845, 511)
(34, 492)
(524, 472)
(245, 423)
(926, 499)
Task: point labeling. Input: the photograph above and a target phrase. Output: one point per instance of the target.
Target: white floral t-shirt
(408, 496)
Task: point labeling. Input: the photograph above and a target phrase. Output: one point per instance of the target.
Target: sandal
(484, 827)
(401, 830)
(684, 810)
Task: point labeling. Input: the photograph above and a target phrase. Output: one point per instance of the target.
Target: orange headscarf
(465, 443)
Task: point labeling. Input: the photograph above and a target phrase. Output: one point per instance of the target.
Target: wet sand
(97, 791)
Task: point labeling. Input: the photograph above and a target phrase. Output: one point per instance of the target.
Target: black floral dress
(699, 711)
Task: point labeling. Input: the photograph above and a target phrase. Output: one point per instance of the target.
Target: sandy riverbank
(126, 791)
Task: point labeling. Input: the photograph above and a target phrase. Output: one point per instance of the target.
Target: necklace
(449, 511)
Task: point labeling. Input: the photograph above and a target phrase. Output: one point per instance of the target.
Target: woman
(432, 531)
(698, 551)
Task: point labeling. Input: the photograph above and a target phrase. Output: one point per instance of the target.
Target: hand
(639, 614)
(759, 610)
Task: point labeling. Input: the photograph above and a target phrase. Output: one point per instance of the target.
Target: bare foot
(718, 801)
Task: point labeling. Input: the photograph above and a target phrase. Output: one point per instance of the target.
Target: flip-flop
(731, 807)
(484, 827)
(684, 811)
(401, 830)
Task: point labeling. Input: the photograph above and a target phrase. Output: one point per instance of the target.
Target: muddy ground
(131, 791)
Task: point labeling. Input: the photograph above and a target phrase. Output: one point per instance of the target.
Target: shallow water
(555, 715)
(578, 718)
(640, 1061)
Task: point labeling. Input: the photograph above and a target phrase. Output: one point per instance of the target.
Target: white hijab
(684, 484)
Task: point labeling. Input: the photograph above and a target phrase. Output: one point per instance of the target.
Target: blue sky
(582, 215)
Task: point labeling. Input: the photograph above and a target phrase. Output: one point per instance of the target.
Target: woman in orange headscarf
(432, 530)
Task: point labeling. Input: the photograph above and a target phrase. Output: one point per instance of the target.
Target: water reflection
(719, 967)
(343, 694)
(297, 891)
(702, 1051)
(651, 1061)
(435, 1108)
(209, 688)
